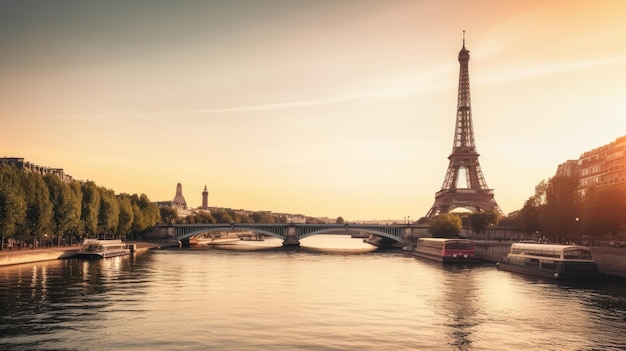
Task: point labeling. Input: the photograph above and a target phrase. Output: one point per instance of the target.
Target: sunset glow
(324, 108)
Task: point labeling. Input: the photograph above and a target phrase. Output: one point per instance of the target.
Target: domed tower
(179, 199)
(205, 199)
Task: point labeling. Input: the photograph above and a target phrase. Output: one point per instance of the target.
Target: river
(334, 293)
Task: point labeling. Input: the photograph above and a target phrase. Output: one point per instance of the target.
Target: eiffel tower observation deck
(475, 195)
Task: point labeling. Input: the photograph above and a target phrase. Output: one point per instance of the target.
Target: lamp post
(579, 237)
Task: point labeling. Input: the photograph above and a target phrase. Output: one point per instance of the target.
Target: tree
(479, 221)
(126, 215)
(109, 213)
(604, 210)
(12, 204)
(339, 220)
(65, 211)
(204, 217)
(446, 225)
(146, 214)
(557, 219)
(221, 216)
(38, 206)
(78, 229)
(90, 207)
(169, 215)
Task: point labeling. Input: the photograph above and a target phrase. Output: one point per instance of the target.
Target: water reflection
(459, 305)
(301, 299)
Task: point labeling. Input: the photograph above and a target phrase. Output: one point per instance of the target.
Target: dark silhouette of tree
(603, 211)
(445, 226)
(479, 221)
(557, 219)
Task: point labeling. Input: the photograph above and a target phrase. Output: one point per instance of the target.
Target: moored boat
(92, 248)
(563, 262)
(446, 250)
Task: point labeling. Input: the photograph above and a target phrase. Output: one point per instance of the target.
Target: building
(205, 199)
(464, 166)
(179, 199)
(31, 167)
(605, 165)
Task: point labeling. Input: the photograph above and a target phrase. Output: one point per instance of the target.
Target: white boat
(92, 248)
(446, 250)
(563, 262)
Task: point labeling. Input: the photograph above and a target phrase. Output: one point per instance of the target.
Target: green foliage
(33, 206)
(38, 206)
(65, 206)
(109, 214)
(146, 214)
(126, 215)
(339, 220)
(169, 215)
(90, 208)
(479, 221)
(221, 216)
(204, 217)
(12, 204)
(445, 226)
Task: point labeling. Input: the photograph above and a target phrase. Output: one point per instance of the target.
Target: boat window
(536, 252)
(458, 245)
(577, 254)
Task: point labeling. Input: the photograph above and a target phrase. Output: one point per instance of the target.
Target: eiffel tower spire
(475, 195)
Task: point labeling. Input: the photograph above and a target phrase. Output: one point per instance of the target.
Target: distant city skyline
(323, 108)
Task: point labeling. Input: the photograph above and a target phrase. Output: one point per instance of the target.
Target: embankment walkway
(28, 255)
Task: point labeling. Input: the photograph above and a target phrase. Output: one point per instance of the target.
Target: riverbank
(27, 255)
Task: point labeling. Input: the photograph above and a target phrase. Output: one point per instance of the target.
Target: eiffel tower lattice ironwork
(476, 196)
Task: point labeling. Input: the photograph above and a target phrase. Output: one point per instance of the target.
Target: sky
(323, 108)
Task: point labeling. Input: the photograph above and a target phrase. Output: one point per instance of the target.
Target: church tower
(205, 199)
(179, 199)
(475, 195)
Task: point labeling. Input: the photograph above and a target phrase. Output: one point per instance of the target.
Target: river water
(334, 293)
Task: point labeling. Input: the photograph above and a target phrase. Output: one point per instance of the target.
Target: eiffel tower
(476, 196)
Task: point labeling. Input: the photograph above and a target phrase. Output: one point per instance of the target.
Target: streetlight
(578, 229)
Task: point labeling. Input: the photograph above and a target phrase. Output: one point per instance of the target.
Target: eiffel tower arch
(476, 195)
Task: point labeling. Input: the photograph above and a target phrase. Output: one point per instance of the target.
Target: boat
(92, 248)
(446, 250)
(554, 261)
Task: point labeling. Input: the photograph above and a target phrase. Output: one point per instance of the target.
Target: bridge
(291, 233)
